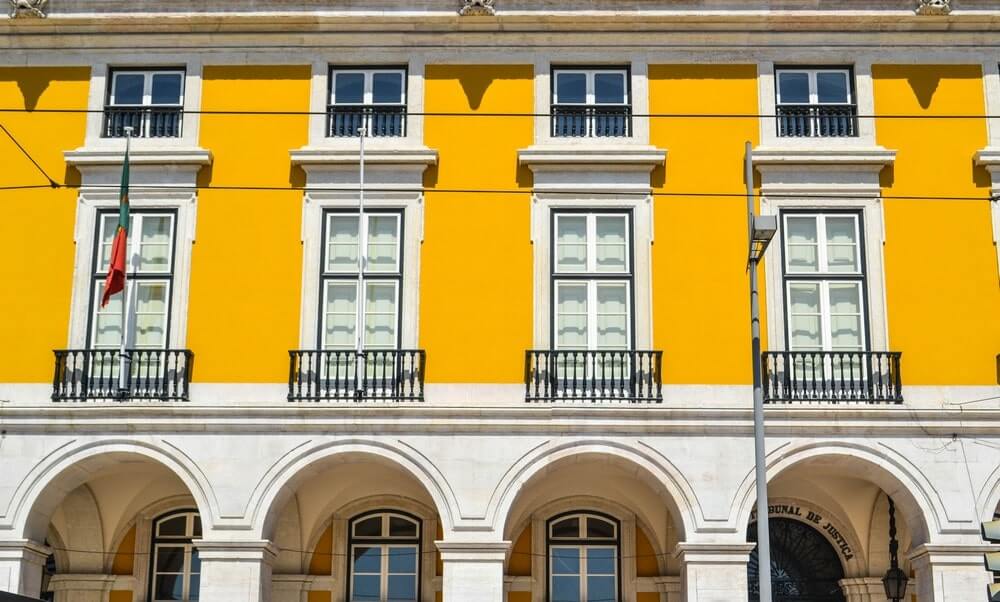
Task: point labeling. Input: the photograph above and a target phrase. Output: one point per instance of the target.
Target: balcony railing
(581, 121)
(160, 374)
(616, 376)
(378, 120)
(387, 375)
(835, 376)
(817, 121)
(146, 122)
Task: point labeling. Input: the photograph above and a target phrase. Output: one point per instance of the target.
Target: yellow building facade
(550, 395)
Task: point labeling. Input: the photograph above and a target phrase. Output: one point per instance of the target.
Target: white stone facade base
(236, 570)
(81, 587)
(863, 589)
(946, 573)
(473, 570)
(21, 565)
(714, 572)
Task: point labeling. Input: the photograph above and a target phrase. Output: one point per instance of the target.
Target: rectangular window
(816, 102)
(583, 573)
(591, 103)
(151, 102)
(824, 282)
(372, 99)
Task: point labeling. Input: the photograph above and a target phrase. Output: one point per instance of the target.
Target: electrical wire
(25, 152)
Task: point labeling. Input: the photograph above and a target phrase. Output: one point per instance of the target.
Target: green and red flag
(115, 282)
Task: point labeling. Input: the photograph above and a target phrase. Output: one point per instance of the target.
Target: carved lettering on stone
(28, 8)
(477, 7)
(933, 7)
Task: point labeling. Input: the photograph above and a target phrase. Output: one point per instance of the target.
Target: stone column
(863, 589)
(473, 570)
(945, 573)
(21, 564)
(236, 570)
(81, 587)
(713, 572)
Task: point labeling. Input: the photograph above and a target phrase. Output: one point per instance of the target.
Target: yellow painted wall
(321, 562)
(36, 234)
(700, 310)
(122, 563)
(476, 262)
(122, 595)
(246, 276)
(519, 564)
(646, 561)
(940, 263)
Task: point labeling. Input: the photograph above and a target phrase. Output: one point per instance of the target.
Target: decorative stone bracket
(933, 7)
(28, 8)
(482, 8)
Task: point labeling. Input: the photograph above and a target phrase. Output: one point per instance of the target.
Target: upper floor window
(824, 282)
(373, 99)
(151, 102)
(592, 280)
(583, 558)
(591, 102)
(384, 558)
(816, 102)
(176, 565)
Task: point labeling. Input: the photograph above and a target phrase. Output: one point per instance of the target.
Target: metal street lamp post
(760, 230)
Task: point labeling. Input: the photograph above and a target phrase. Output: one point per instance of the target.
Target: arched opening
(804, 566)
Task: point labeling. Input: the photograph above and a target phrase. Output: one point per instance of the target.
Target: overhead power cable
(24, 151)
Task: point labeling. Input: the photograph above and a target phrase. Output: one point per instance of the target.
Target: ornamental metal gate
(804, 566)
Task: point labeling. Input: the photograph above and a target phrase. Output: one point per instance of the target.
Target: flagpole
(359, 328)
(123, 359)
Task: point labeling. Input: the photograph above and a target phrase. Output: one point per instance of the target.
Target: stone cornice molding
(92, 157)
(333, 156)
(585, 157)
(874, 156)
(952, 554)
(713, 553)
(473, 551)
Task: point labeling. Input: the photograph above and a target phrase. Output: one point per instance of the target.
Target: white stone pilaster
(236, 570)
(713, 572)
(81, 587)
(473, 570)
(21, 565)
(950, 572)
(863, 589)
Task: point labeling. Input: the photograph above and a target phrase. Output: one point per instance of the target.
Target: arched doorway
(804, 566)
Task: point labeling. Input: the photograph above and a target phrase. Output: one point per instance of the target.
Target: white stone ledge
(343, 154)
(167, 154)
(821, 153)
(586, 155)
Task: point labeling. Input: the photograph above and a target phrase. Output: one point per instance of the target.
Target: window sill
(593, 153)
(823, 151)
(347, 151)
(172, 154)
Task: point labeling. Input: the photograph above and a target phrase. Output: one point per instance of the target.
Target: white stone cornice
(989, 157)
(236, 549)
(585, 157)
(818, 155)
(334, 156)
(714, 553)
(840, 170)
(167, 155)
(473, 551)
(957, 555)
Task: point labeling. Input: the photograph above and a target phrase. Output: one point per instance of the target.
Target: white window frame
(384, 542)
(185, 542)
(581, 544)
(147, 93)
(813, 86)
(826, 316)
(592, 314)
(369, 74)
(590, 74)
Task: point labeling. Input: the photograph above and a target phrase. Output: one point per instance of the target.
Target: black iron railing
(818, 121)
(839, 376)
(623, 376)
(387, 375)
(378, 120)
(82, 374)
(579, 121)
(146, 122)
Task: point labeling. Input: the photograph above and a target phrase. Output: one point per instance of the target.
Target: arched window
(804, 566)
(384, 562)
(176, 568)
(583, 558)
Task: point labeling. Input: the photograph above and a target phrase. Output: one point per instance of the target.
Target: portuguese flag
(115, 282)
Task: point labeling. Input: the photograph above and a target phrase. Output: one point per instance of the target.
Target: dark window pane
(793, 88)
(166, 89)
(349, 88)
(565, 561)
(174, 527)
(571, 88)
(402, 588)
(387, 87)
(403, 559)
(565, 589)
(195, 562)
(568, 527)
(367, 560)
(197, 526)
(169, 559)
(601, 588)
(169, 587)
(600, 528)
(601, 561)
(193, 589)
(369, 527)
(128, 89)
(365, 588)
(401, 527)
(832, 87)
(609, 88)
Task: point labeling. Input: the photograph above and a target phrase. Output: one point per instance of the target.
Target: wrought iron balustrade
(386, 375)
(160, 374)
(580, 121)
(146, 122)
(378, 120)
(599, 376)
(837, 376)
(817, 121)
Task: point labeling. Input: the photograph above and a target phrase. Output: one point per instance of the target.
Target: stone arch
(281, 481)
(677, 493)
(909, 489)
(990, 496)
(52, 479)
